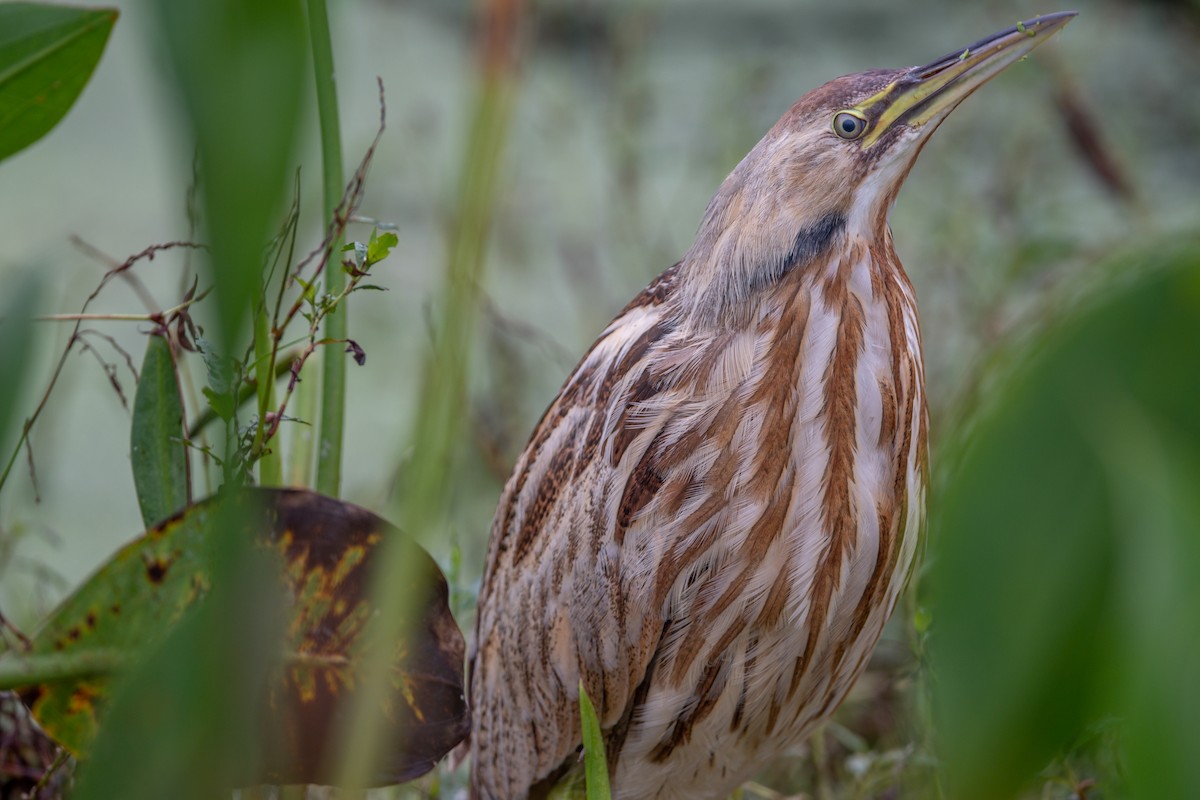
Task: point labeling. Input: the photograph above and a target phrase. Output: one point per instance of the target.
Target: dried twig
(147, 254)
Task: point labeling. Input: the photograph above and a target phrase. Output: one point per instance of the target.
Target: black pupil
(849, 124)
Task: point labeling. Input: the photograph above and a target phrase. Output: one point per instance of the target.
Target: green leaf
(132, 608)
(310, 289)
(1040, 586)
(237, 65)
(1153, 473)
(157, 452)
(381, 246)
(595, 762)
(360, 252)
(47, 55)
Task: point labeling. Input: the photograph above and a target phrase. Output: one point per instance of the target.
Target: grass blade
(595, 761)
(333, 382)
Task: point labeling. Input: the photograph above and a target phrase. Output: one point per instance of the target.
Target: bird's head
(832, 166)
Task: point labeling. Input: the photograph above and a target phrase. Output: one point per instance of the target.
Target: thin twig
(109, 369)
(156, 316)
(7, 625)
(115, 345)
(351, 198)
(33, 478)
(148, 254)
(134, 282)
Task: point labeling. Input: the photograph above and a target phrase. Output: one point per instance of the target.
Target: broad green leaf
(156, 449)
(595, 762)
(47, 55)
(132, 608)
(1036, 586)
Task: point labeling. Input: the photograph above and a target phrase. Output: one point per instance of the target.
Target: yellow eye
(849, 124)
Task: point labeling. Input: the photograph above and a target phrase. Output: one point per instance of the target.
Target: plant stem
(31, 669)
(438, 424)
(333, 384)
(438, 427)
(270, 465)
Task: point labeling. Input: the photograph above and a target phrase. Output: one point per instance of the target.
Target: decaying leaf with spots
(326, 548)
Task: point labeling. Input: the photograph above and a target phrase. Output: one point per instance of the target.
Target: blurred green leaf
(595, 762)
(1034, 601)
(240, 66)
(157, 452)
(47, 55)
(145, 603)
(1154, 472)
(186, 721)
(16, 324)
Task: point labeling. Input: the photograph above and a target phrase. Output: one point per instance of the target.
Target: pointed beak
(927, 94)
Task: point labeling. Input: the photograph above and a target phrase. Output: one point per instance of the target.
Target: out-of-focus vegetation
(1062, 378)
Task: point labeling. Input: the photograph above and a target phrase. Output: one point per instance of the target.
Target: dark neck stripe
(810, 243)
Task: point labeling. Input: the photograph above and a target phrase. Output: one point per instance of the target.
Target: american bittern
(715, 517)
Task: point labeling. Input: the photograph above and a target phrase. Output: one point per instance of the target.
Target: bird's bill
(930, 92)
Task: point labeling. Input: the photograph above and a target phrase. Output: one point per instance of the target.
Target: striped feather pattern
(715, 517)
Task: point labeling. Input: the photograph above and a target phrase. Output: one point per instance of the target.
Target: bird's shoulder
(565, 455)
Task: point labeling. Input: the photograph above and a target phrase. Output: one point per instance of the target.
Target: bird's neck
(745, 252)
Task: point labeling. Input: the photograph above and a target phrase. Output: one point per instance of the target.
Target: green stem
(333, 385)
(270, 465)
(442, 406)
(438, 425)
(31, 669)
(208, 416)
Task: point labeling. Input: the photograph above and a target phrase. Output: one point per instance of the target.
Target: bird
(714, 519)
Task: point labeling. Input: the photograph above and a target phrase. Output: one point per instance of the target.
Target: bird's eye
(848, 124)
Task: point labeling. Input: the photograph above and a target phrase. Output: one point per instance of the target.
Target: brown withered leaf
(326, 546)
(326, 549)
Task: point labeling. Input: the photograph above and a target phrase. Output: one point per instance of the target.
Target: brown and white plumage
(715, 517)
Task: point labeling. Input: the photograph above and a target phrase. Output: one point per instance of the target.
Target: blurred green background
(628, 114)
